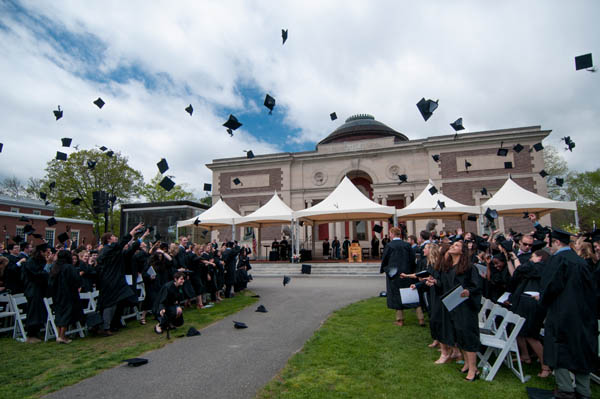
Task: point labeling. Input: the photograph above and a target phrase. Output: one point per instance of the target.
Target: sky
(495, 64)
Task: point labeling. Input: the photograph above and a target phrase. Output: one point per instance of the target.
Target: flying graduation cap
(284, 35)
(270, 103)
(167, 183)
(333, 116)
(377, 228)
(110, 153)
(28, 229)
(207, 187)
(189, 109)
(103, 148)
(58, 113)
(436, 157)
(66, 142)
(197, 222)
(232, 123)
(518, 148)
(52, 185)
(230, 132)
(537, 147)
(570, 144)
(43, 195)
(467, 165)
(432, 190)
(237, 181)
(508, 165)
(163, 166)
(99, 103)
(61, 156)
(249, 154)
(560, 181)
(402, 179)
(1, 146)
(426, 108)
(76, 201)
(51, 222)
(484, 191)
(457, 125)
(491, 214)
(543, 173)
(441, 204)
(584, 62)
(91, 164)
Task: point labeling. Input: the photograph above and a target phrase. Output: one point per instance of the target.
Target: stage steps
(317, 269)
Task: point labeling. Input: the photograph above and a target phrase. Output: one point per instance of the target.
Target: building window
(360, 231)
(75, 237)
(37, 212)
(15, 210)
(50, 236)
(19, 232)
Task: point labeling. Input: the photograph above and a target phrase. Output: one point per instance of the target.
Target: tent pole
(233, 232)
(259, 241)
(576, 219)
(292, 238)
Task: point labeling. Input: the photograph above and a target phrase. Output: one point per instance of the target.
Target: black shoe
(474, 378)
(464, 371)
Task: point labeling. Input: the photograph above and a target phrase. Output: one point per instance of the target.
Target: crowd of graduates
(174, 276)
(549, 277)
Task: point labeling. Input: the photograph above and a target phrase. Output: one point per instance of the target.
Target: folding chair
(486, 307)
(92, 300)
(18, 304)
(7, 314)
(132, 311)
(51, 330)
(491, 323)
(505, 345)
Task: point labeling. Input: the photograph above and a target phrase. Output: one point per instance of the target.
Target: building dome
(362, 127)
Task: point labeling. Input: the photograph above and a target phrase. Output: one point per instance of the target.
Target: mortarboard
(46, 203)
(237, 181)
(270, 103)
(66, 142)
(261, 309)
(570, 143)
(561, 235)
(426, 108)
(402, 179)
(432, 190)
(583, 61)
(441, 204)
(189, 109)
(28, 229)
(484, 191)
(207, 187)
(467, 165)
(333, 116)
(560, 181)
(36, 235)
(286, 280)
(457, 125)
(230, 132)
(377, 228)
(136, 361)
(197, 222)
(232, 123)
(508, 165)
(163, 166)
(103, 148)
(91, 164)
(76, 201)
(110, 153)
(61, 156)
(42, 247)
(507, 245)
(43, 195)
(518, 148)
(502, 152)
(436, 157)
(52, 185)
(167, 183)
(491, 214)
(62, 237)
(99, 103)
(255, 296)
(472, 218)
(239, 324)
(525, 215)
(537, 147)
(284, 34)
(543, 173)
(537, 245)
(192, 332)
(58, 113)
(249, 154)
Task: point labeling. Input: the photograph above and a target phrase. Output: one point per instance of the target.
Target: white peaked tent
(425, 206)
(346, 202)
(513, 199)
(218, 215)
(274, 212)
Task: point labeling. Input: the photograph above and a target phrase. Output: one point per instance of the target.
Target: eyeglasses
(526, 245)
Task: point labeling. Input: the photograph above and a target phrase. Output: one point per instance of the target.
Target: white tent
(512, 200)
(425, 206)
(346, 202)
(218, 215)
(274, 212)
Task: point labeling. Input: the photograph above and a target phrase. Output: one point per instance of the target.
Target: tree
(153, 192)
(206, 200)
(584, 188)
(556, 166)
(34, 186)
(12, 187)
(74, 179)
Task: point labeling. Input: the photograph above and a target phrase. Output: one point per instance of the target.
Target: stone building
(373, 155)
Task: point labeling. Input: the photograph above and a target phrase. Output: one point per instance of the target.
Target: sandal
(143, 321)
(157, 329)
(545, 373)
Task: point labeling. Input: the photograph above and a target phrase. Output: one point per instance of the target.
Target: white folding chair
(7, 314)
(491, 323)
(92, 300)
(133, 311)
(486, 306)
(51, 330)
(18, 304)
(504, 345)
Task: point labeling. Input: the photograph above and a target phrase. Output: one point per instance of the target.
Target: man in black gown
(230, 260)
(168, 304)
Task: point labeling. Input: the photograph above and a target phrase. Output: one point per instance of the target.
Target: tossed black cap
(103, 148)
(163, 166)
(507, 245)
(560, 181)
(286, 280)
(192, 332)
(441, 204)
(110, 153)
(189, 109)
(237, 181)
(41, 247)
(333, 116)
(76, 201)
(377, 228)
(1, 146)
(43, 195)
(537, 245)
(457, 125)
(66, 142)
(249, 154)
(61, 156)
(207, 187)
(28, 229)
(230, 132)
(491, 214)
(232, 123)
(570, 143)
(239, 324)
(17, 239)
(508, 165)
(402, 178)
(426, 108)
(51, 222)
(525, 215)
(91, 164)
(52, 185)
(537, 147)
(24, 219)
(58, 113)
(432, 190)
(484, 191)
(261, 309)
(269, 103)
(518, 148)
(543, 173)
(561, 235)
(284, 35)
(136, 361)
(167, 183)
(583, 61)
(62, 237)
(472, 218)
(197, 222)
(436, 157)
(99, 102)
(467, 165)
(502, 152)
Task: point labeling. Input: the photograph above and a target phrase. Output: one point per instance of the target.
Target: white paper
(151, 272)
(532, 293)
(482, 269)
(140, 279)
(408, 296)
(504, 297)
(129, 279)
(453, 298)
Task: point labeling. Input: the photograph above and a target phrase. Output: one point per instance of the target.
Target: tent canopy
(512, 200)
(274, 212)
(346, 202)
(425, 206)
(218, 215)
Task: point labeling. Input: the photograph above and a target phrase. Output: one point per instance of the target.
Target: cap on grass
(136, 361)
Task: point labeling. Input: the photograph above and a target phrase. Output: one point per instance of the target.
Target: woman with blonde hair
(586, 251)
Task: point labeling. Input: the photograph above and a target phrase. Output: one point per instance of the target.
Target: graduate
(168, 304)
(229, 259)
(35, 279)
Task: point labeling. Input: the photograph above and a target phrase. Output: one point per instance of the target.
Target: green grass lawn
(360, 353)
(32, 370)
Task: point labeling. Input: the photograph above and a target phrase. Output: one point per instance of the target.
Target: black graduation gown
(169, 298)
(89, 276)
(151, 286)
(397, 254)
(527, 278)
(439, 317)
(375, 247)
(229, 259)
(35, 280)
(570, 330)
(464, 317)
(13, 279)
(326, 248)
(498, 283)
(65, 296)
(198, 275)
(241, 274)
(113, 287)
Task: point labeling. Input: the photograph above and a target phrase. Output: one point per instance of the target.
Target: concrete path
(225, 362)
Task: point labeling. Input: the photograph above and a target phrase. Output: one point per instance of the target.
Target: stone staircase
(318, 269)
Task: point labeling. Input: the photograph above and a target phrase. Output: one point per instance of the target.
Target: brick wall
(522, 163)
(26, 210)
(275, 181)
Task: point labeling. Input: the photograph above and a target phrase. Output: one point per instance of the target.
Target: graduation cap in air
(163, 166)
(192, 332)
(543, 173)
(28, 229)
(207, 187)
(508, 165)
(261, 309)
(491, 214)
(232, 123)
(52, 185)
(66, 142)
(61, 156)
(17, 239)
(432, 190)
(270, 103)
(167, 183)
(46, 203)
(58, 113)
(230, 132)
(472, 218)
(76, 201)
(584, 62)
(537, 147)
(570, 143)
(43, 195)
(560, 181)
(457, 125)
(507, 245)
(518, 148)
(237, 181)
(467, 165)
(482, 243)
(62, 237)
(103, 148)
(402, 179)
(99, 103)
(249, 154)
(441, 204)
(91, 164)
(284, 35)
(197, 222)
(239, 324)
(436, 157)
(426, 108)
(136, 361)
(333, 116)
(525, 215)
(110, 153)
(484, 191)
(286, 280)
(24, 219)
(377, 228)
(189, 109)
(502, 152)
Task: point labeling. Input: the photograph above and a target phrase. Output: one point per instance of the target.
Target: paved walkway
(227, 363)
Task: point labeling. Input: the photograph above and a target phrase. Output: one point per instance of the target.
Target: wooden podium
(354, 250)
